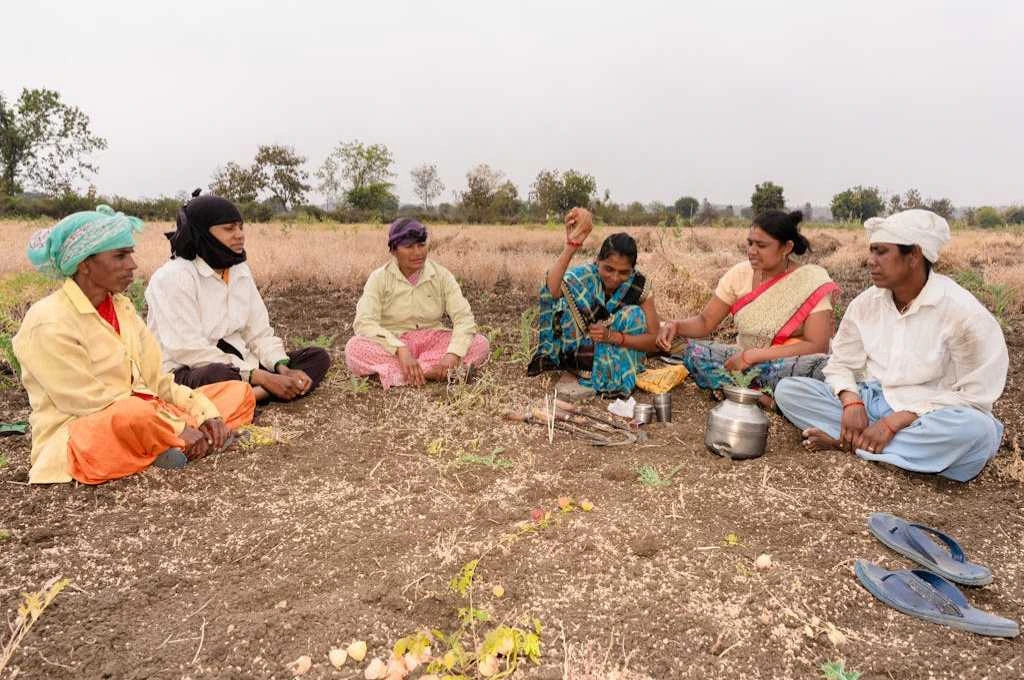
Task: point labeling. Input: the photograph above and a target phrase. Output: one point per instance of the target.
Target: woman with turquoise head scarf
(101, 407)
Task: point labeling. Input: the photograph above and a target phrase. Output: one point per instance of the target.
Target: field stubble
(353, 521)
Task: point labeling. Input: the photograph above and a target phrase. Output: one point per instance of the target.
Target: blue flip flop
(930, 597)
(915, 542)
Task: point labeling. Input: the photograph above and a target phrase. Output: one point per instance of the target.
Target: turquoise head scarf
(57, 251)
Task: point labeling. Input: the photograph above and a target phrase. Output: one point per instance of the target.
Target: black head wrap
(193, 238)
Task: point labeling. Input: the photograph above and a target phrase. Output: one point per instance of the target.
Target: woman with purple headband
(400, 336)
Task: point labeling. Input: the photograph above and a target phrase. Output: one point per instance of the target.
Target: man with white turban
(916, 364)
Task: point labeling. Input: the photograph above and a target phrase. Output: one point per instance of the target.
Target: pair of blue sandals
(927, 593)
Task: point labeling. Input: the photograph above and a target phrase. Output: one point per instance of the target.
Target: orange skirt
(127, 436)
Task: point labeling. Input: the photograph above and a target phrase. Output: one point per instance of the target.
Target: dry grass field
(352, 518)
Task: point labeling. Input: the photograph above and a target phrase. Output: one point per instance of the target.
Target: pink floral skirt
(365, 357)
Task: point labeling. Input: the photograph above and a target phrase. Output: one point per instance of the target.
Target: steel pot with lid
(737, 428)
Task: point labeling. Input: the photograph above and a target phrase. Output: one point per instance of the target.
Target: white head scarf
(911, 228)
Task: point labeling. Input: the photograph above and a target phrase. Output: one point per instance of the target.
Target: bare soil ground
(353, 525)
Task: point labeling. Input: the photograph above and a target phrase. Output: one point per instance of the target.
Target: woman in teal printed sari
(604, 309)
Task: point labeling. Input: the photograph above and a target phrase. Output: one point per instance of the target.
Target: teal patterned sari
(565, 322)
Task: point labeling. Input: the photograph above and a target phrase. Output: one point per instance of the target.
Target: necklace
(903, 308)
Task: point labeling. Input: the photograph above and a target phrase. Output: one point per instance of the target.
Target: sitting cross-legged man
(102, 408)
(915, 367)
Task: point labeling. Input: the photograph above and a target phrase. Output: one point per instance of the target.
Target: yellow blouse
(390, 305)
(73, 364)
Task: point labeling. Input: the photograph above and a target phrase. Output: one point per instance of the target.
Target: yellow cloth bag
(661, 380)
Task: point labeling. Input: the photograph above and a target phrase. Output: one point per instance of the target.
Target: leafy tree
(767, 196)
(505, 203)
(577, 190)
(1014, 215)
(912, 199)
(556, 193)
(235, 183)
(279, 171)
(857, 204)
(707, 213)
(988, 217)
(942, 206)
(808, 211)
(482, 184)
(687, 206)
(372, 197)
(426, 183)
(44, 143)
(354, 165)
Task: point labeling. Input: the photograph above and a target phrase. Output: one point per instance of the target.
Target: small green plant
(491, 460)
(357, 385)
(649, 476)
(836, 670)
(321, 341)
(525, 348)
(3, 461)
(7, 353)
(4, 534)
(744, 378)
(492, 333)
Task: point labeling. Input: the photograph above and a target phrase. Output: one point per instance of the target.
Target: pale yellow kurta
(73, 364)
(390, 306)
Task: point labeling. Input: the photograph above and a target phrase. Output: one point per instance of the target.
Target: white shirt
(191, 308)
(945, 350)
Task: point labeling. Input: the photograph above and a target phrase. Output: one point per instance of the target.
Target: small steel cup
(663, 407)
(643, 413)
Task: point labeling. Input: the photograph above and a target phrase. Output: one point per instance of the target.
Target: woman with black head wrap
(209, 316)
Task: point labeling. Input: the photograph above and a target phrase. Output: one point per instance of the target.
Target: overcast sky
(655, 99)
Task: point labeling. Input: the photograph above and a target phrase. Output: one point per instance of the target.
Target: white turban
(911, 228)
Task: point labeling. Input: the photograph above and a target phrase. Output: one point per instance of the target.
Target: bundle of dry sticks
(598, 429)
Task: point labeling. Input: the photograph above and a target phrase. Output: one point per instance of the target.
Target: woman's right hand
(579, 222)
(411, 369)
(666, 334)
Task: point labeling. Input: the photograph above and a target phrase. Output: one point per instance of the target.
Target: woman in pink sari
(782, 311)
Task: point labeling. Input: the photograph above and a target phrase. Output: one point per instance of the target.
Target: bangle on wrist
(887, 426)
(575, 244)
(856, 402)
(622, 339)
(744, 359)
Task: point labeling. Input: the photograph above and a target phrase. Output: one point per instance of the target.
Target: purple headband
(404, 232)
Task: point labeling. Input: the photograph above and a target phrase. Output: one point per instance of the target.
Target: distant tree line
(46, 146)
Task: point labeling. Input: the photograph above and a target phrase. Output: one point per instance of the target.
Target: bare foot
(261, 394)
(767, 402)
(436, 373)
(816, 440)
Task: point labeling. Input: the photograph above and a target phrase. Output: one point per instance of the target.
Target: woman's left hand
(738, 362)
(600, 333)
(300, 377)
